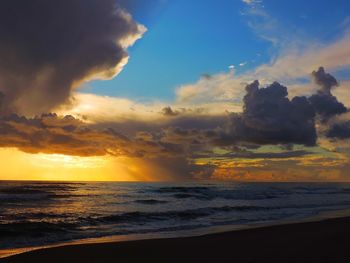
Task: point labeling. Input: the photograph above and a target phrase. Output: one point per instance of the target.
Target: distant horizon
(183, 182)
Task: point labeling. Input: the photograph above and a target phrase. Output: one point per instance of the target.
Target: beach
(322, 241)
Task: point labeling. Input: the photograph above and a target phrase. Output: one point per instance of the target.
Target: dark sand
(324, 241)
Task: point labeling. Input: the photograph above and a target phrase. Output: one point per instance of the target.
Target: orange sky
(17, 165)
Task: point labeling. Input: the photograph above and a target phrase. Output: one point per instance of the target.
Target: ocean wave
(150, 201)
(183, 189)
(19, 199)
(35, 188)
(314, 190)
(13, 193)
(22, 191)
(174, 214)
(35, 217)
(211, 193)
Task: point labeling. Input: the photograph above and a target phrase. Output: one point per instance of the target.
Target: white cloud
(103, 109)
(251, 2)
(293, 64)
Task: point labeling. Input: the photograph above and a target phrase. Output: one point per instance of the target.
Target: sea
(39, 214)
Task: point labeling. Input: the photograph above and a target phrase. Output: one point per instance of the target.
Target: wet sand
(324, 241)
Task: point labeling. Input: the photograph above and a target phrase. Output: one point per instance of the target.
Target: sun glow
(17, 165)
(60, 160)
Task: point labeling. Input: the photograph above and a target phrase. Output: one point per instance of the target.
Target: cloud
(168, 111)
(296, 61)
(52, 134)
(291, 65)
(269, 117)
(324, 103)
(221, 91)
(282, 170)
(67, 135)
(336, 132)
(254, 155)
(339, 131)
(174, 169)
(263, 24)
(251, 2)
(55, 46)
(105, 109)
(325, 80)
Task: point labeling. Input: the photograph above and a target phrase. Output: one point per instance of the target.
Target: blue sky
(187, 39)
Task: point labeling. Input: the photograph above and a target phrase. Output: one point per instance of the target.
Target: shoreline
(196, 232)
(309, 234)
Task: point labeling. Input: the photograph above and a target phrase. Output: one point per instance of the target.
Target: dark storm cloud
(325, 80)
(184, 112)
(239, 154)
(269, 117)
(339, 130)
(51, 134)
(325, 104)
(136, 6)
(185, 121)
(168, 111)
(49, 47)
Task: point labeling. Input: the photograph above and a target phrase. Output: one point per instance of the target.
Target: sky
(123, 90)
(217, 35)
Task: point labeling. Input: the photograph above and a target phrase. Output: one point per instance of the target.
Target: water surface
(42, 213)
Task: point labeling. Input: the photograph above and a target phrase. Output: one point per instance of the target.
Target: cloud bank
(190, 143)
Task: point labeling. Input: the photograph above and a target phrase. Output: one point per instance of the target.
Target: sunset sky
(118, 90)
